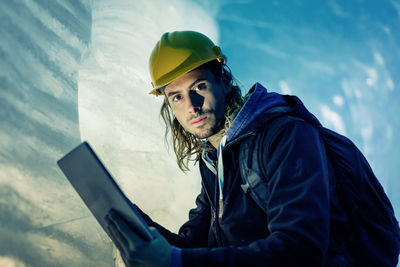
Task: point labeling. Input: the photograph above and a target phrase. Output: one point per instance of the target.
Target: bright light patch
(372, 76)
(333, 119)
(10, 262)
(397, 7)
(369, 81)
(379, 59)
(285, 89)
(390, 84)
(389, 131)
(338, 100)
(366, 132)
(357, 93)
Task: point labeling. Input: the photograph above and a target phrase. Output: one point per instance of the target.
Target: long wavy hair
(186, 146)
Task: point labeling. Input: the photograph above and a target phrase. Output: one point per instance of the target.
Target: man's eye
(200, 86)
(176, 98)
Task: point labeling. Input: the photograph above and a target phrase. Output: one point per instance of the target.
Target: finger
(155, 233)
(119, 218)
(119, 248)
(133, 241)
(118, 239)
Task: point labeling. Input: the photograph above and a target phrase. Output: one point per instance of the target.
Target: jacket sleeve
(297, 204)
(194, 232)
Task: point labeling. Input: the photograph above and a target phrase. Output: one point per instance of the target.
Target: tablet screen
(98, 189)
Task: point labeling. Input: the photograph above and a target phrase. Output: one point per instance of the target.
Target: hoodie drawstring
(220, 175)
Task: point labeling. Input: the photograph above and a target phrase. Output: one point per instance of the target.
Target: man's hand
(134, 250)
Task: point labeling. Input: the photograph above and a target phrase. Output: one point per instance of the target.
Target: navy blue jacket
(304, 224)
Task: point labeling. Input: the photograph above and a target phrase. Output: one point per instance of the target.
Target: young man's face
(198, 102)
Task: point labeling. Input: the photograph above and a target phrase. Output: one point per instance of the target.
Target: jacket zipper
(214, 217)
(208, 196)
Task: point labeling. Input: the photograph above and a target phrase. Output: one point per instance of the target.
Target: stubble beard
(210, 128)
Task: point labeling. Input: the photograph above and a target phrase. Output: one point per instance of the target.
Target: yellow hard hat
(178, 53)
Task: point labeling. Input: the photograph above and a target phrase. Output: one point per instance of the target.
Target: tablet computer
(98, 189)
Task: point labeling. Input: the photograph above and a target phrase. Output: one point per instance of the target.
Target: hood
(259, 101)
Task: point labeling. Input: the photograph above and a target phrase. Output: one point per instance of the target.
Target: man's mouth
(199, 120)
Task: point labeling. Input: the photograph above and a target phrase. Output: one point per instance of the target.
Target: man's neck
(216, 138)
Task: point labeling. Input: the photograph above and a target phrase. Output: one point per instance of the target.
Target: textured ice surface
(77, 70)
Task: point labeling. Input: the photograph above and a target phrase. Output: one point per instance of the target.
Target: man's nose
(192, 107)
(195, 103)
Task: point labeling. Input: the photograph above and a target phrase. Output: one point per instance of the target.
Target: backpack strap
(254, 183)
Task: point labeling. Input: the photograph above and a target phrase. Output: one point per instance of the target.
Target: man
(270, 194)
